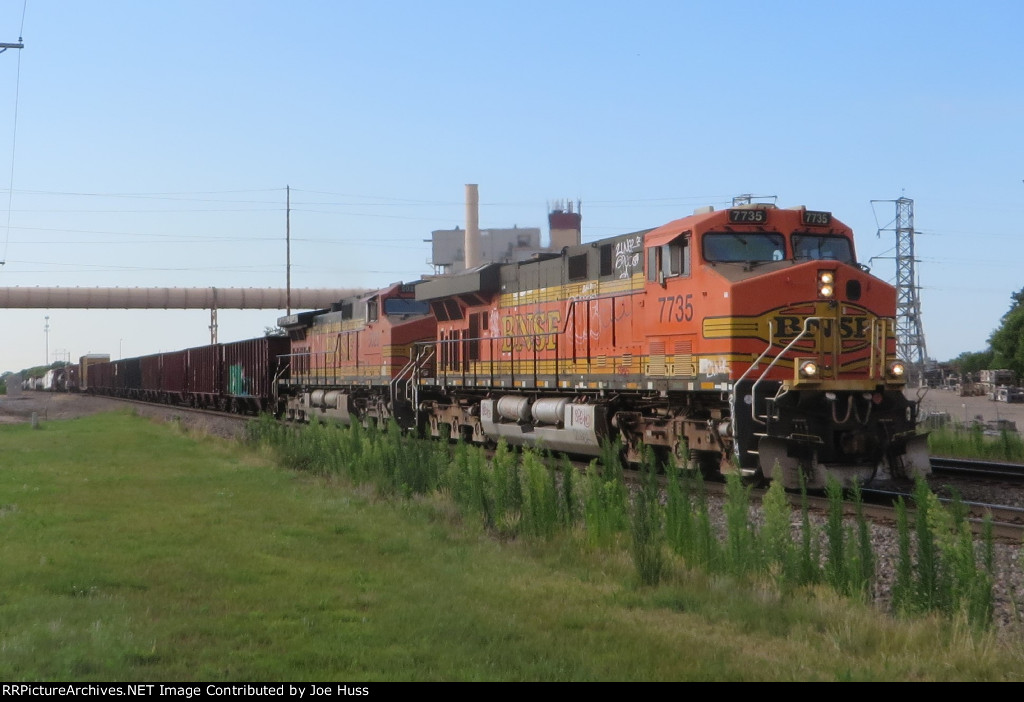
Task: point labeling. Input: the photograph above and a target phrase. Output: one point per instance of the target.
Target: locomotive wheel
(709, 463)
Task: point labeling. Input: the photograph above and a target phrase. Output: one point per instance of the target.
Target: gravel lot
(967, 409)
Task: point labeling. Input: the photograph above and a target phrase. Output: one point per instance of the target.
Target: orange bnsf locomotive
(744, 339)
(747, 339)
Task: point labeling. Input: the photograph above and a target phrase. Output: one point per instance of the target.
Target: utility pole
(4, 46)
(46, 338)
(288, 246)
(910, 346)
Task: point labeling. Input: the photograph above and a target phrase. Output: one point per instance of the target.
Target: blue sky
(154, 141)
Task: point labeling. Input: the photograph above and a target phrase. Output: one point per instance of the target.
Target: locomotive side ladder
(405, 386)
(762, 419)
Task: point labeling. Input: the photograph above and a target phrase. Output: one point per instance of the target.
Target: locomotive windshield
(734, 247)
(822, 247)
(404, 306)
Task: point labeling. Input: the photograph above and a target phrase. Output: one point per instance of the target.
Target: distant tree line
(1005, 345)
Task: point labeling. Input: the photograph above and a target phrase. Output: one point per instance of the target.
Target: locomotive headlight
(808, 369)
(897, 369)
(826, 283)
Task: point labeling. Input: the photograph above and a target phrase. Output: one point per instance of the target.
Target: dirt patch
(48, 406)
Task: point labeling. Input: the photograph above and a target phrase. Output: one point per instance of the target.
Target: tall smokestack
(472, 247)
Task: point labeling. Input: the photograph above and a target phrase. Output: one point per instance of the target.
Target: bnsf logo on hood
(850, 327)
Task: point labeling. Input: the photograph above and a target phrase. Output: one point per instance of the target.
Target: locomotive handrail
(310, 369)
(732, 395)
(409, 369)
(753, 390)
(531, 356)
(277, 378)
(879, 334)
(423, 354)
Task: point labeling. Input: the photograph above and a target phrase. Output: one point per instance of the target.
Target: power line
(14, 137)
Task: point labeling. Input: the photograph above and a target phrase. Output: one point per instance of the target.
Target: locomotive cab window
(822, 247)
(675, 258)
(743, 247)
(653, 263)
(669, 260)
(371, 310)
(405, 307)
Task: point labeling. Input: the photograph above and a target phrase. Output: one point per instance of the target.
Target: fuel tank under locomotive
(555, 423)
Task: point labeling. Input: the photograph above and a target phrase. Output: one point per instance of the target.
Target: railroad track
(1007, 521)
(880, 506)
(972, 468)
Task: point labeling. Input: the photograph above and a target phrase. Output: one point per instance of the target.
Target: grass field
(132, 551)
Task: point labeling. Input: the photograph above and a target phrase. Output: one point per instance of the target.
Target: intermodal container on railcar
(85, 365)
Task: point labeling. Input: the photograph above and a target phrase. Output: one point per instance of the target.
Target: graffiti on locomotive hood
(851, 325)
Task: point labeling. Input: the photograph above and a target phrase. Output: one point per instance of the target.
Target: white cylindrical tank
(550, 410)
(514, 407)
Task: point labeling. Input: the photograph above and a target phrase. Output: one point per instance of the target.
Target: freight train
(240, 377)
(747, 340)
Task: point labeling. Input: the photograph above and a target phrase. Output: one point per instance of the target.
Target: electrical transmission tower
(748, 199)
(909, 330)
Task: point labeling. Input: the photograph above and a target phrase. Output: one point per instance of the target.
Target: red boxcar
(100, 377)
(172, 376)
(150, 369)
(202, 379)
(250, 372)
(127, 377)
